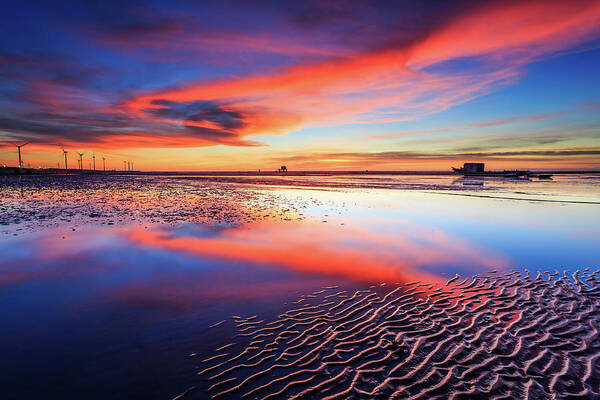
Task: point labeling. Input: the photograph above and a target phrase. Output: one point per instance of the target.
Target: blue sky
(317, 85)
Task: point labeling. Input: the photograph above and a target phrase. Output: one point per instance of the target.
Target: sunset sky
(314, 85)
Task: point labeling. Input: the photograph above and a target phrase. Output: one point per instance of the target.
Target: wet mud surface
(35, 202)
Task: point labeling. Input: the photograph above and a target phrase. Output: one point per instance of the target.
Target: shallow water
(114, 310)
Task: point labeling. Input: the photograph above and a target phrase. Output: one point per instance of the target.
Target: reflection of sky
(95, 307)
(530, 234)
(130, 296)
(368, 236)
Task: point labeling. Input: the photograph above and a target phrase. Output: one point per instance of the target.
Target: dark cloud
(220, 137)
(503, 143)
(7, 59)
(548, 153)
(407, 155)
(56, 95)
(42, 131)
(142, 28)
(314, 15)
(372, 25)
(96, 120)
(131, 18)
(199, 111)
(89, 129)
(67, 67)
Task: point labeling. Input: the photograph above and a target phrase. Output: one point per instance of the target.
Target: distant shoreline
(7, 171)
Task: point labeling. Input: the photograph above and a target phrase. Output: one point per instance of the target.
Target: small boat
(478, 169)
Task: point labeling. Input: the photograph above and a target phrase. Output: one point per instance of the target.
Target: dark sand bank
(30, 203)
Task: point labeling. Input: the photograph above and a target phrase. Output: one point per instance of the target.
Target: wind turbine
(124, 165)
(94, 158)
(80, 160)
(19, 151)
(65, 153)
(132, 165)
(103, 164)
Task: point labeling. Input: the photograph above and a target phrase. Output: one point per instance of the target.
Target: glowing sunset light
(250, 85)
(318, 199)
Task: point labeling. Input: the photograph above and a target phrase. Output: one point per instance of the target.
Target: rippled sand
(492, 336)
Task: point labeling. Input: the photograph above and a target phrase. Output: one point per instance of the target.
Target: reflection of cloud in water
(371, 253)
(354, 253)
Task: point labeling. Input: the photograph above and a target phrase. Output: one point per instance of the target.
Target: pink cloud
(394, 83)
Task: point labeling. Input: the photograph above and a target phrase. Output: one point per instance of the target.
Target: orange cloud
(528, 28)
(407, 72)
(475, 125)
(395, 82)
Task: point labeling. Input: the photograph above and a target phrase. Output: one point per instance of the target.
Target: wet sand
(299, 287)
(32, 203)
(496, 336)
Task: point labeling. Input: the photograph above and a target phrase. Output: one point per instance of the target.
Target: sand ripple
(491, 337)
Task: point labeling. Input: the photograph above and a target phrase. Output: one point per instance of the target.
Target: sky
(313, 85)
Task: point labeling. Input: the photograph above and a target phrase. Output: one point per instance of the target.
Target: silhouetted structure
(478, 169)
(65, 154)
(19, 151)
(80, 161)
(283, 168)
(470, 169)
(474, 168)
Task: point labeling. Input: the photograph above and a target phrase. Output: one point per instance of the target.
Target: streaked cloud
(465, 127)
(399, 81)
(199, 75)
(440, 160)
